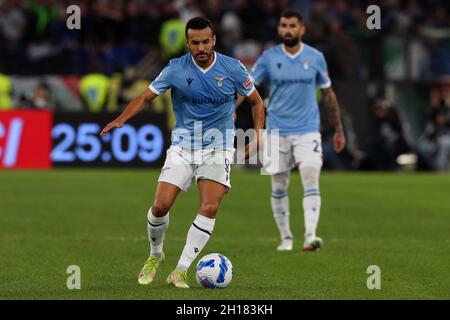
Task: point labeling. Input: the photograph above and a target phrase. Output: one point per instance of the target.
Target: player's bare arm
(258, 122)
(239, 101)
(334, 116)
(133, 108)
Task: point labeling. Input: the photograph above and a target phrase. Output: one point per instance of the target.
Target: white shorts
(283, 153)
(182, 165)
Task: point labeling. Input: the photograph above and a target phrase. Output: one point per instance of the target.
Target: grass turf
(96, 219)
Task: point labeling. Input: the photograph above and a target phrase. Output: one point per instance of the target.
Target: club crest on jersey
(305, 64)
(219, 81)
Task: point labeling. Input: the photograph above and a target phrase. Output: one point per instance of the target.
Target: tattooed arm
(334, 116)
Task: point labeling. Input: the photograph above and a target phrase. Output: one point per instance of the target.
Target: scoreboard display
(76, 141)
(42, 139)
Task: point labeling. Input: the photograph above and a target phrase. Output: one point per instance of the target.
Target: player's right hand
(113, 124)
(251, 149)
(339, 141)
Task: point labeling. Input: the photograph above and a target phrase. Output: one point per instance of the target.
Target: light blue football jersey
(204, 99)
(292, 80)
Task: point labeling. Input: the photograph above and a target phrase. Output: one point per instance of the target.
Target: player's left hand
(339, 141)
(113, 124)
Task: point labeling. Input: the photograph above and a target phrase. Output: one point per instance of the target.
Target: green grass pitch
(96, 219)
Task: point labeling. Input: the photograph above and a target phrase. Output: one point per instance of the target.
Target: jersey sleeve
(162, 82)
(244, 83)
(259, 70)
(323, 78)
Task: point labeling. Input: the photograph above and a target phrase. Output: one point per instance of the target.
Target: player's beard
(291, 42)
(205, 57)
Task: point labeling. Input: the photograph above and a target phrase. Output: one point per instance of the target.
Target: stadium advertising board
(25, 140)
(42, 139)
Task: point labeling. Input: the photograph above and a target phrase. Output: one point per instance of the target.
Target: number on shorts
(316, 148)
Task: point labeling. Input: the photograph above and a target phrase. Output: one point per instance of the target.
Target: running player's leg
(157, 225)
(211, 194)
(213, 179)
(176, 175)
(158, 216)
(280, 209)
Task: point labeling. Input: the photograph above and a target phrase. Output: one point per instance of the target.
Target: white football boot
(287, 244)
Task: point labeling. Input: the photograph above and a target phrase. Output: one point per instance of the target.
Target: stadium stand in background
(393, 83)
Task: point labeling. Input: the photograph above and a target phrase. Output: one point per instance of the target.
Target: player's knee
(310, 174)
(209, 208)
(160, 209)
(280, 182)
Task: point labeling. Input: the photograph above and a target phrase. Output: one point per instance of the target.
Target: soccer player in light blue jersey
(204, 86)
(293, 70)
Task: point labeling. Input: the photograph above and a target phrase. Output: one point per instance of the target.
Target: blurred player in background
(293, 70)
(204, 87)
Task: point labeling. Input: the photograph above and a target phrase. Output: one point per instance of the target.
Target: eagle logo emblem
(306, 64)
(219, 81)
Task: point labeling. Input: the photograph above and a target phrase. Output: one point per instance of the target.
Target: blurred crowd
(390, 146)
(123, 44)
(117, 34)
(434, 144)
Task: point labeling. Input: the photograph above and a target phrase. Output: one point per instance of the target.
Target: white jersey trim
(251, 91)
(207, 69)
(295, 55)
(152, 88)
(325, 85)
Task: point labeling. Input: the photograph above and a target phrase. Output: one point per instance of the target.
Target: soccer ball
(214, 271)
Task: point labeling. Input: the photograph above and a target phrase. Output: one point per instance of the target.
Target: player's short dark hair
(290, 13)
(198, 23)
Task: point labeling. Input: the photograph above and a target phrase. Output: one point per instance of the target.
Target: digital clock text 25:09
(83, 143)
